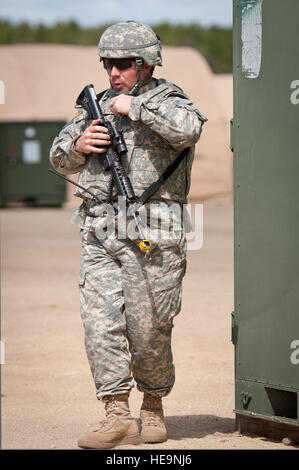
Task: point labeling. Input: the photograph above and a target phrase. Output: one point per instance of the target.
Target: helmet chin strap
(139, 82)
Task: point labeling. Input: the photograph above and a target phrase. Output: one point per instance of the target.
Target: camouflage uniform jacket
(162, 121)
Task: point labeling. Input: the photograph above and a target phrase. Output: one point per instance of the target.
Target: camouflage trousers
(127, 307)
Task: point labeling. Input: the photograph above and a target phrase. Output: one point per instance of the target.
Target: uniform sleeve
(63, 156)
(175, 118)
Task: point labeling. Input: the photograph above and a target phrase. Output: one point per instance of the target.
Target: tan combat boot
(118, 428)
(153, 429)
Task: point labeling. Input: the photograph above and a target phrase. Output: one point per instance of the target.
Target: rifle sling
(153, 188)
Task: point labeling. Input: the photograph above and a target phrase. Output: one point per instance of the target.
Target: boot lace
(153, 411)
(111, 412)
(152, 418)
(110, 408)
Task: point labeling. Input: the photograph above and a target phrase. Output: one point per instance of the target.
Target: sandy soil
(48, 396)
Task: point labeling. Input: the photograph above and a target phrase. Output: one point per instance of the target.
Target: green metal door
(24, 163)
(265, 142)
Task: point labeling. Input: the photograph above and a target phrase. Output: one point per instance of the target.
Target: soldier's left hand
(120, 105)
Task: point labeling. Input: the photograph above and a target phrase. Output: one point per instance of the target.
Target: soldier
(128, 303)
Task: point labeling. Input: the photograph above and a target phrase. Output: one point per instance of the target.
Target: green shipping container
(24, 163)
(265, 142)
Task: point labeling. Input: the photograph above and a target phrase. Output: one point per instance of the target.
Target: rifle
(112, 159)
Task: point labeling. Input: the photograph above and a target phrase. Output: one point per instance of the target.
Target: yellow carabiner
(145, 246)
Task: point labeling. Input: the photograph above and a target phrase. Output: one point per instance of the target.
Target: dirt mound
(42, 82)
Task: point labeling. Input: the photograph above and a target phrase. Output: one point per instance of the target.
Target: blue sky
(97, 12)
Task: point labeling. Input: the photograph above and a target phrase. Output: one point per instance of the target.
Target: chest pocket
(145, 168)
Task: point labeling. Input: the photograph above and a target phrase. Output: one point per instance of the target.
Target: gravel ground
(48, 396)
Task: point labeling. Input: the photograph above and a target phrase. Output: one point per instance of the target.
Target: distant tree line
(215, 43)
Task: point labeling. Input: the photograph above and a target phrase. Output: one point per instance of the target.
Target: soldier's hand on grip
(94, 139)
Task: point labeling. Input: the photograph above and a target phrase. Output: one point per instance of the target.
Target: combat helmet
(131, 39)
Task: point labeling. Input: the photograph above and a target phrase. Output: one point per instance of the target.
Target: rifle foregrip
(122, 182)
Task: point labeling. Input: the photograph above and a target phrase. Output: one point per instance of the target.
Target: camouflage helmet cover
(130, 39)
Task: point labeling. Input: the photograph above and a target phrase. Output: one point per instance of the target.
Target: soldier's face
(125, 80)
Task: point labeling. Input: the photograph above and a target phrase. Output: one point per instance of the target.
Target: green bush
(215, 43)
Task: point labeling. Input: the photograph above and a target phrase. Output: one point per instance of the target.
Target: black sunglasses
(120, 64)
